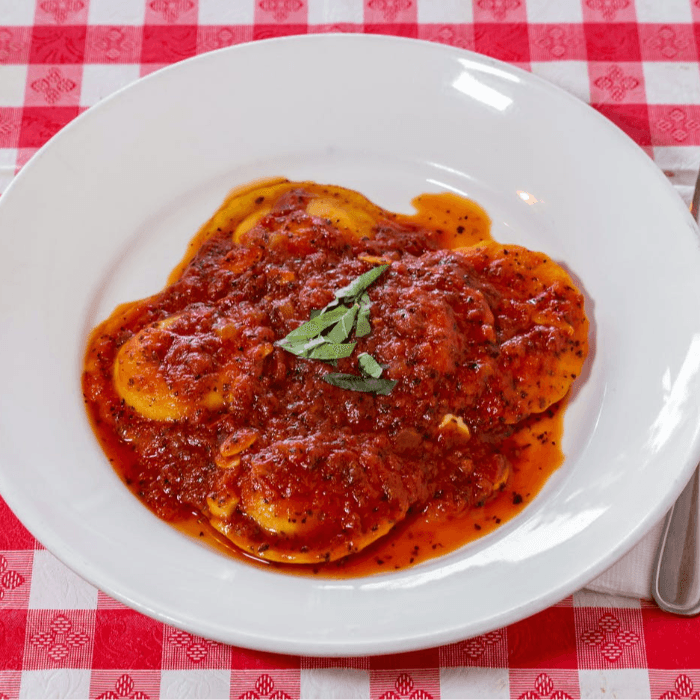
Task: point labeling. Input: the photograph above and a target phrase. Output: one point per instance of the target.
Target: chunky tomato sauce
(210, 421)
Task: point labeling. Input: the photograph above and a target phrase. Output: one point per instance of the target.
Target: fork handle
(676, 582)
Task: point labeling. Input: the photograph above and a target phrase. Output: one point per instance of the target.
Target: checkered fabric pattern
(635, 61)
(60, 637)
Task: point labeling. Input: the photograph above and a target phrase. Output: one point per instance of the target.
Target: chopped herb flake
(369, 365)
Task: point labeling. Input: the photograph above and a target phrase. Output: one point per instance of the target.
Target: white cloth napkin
(631, 575)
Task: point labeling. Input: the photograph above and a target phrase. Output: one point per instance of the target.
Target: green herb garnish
(369, 365)
(324, 335)
(355, 383)
(363, 328)
(332, 351)
(341, 330)
(360, 284)
(312, 329)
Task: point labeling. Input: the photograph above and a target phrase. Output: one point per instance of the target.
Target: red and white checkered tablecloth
(636, 61)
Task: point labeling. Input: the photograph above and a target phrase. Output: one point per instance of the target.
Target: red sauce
(454, 330)
(436, 530)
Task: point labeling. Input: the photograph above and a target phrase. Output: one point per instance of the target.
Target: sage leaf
(316, 325)
(368, 385)
(301, 348)
(360, 284)
(369, 365)
(343, 328)
(363, 326)
(332, 351)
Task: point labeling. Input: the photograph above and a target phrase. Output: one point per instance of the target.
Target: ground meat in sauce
(449, 328)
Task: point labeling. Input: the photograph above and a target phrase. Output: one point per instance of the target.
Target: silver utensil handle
(676, 579)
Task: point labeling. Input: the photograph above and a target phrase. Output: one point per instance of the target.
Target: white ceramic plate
(103, 213)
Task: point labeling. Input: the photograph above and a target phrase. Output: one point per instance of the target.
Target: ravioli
(206, 412)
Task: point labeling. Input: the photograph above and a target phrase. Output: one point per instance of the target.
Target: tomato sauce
(210, 421)
(434, 531)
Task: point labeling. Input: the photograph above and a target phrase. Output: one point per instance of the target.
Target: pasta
(318, 371)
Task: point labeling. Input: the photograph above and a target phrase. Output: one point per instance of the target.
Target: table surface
(635, 61)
